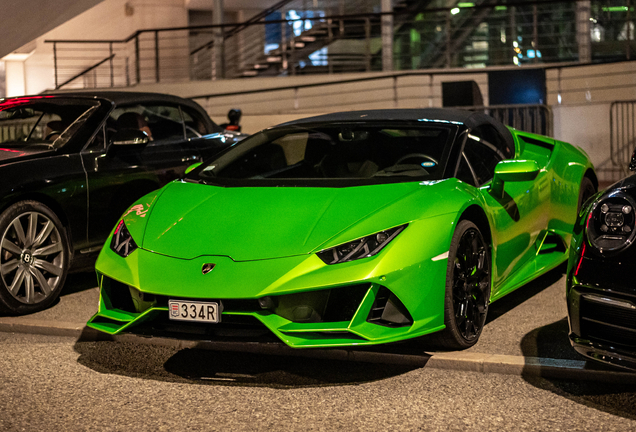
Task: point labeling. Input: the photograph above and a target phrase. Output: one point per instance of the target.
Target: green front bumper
(149, 279)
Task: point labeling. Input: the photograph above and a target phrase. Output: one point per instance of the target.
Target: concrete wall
(581, 97)
(108, 20)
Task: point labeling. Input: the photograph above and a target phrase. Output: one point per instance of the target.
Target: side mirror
(130, 137)
(512, 170)
(192, 167)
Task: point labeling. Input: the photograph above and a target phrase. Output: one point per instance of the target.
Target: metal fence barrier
(622, 136)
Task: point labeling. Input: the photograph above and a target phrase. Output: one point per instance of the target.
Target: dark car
(70, 164)
(601, 292)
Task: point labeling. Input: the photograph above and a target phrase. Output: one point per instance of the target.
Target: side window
(483, 157)
(97, 143)
(490, 137)
(194, 126)
(465, 172)
(162, 123)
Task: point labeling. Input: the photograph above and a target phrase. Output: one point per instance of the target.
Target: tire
(468, 285)
(34, 257)
(587, 190)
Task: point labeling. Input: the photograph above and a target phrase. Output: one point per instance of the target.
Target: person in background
(133, 120)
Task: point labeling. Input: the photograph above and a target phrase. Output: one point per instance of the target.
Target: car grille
(613, 324)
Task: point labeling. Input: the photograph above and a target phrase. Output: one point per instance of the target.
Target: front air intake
(388, 310)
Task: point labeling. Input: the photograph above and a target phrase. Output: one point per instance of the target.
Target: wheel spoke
(44, 285)
(49, 267)
(11, 247)
(33, 224)
(9, 266)
(48, 250)
(17, 227)
(17, 281)
(29, 288)
(470, 329)
(44, 234)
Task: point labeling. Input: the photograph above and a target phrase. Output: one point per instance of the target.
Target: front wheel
(467, 287)
(34, 257)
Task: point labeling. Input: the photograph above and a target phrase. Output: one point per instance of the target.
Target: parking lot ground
(525, 334)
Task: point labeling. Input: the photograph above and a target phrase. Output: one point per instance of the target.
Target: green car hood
(252, 223)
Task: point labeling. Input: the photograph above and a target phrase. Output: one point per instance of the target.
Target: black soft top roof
(470, 119)
(127, 98)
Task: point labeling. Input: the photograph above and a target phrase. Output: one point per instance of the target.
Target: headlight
(122, 243)
(361, 248)
(610, 223)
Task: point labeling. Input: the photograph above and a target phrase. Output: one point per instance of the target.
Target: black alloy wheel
(467, 287)
(34, 257)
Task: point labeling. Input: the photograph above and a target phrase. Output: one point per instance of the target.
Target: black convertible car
(601, 292)
(70, 164)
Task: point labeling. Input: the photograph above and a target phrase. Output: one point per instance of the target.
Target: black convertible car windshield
(346, 153)
(46, 124)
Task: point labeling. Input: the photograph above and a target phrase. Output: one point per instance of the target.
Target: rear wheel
(34, 257)
(467, 288)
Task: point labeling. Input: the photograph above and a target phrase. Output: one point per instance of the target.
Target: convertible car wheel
(467, 287)
(34, 257)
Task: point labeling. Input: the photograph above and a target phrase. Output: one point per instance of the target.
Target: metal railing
(532, 118)
(329, 36)
(622, 136)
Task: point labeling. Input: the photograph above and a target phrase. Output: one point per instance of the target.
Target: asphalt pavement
(526, 335)
(53, 383)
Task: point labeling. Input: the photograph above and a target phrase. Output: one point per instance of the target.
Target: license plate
(194, 311)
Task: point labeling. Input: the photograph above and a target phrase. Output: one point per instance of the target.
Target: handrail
(242, 26)
(85, 71)
(362, 79)
(333, 17)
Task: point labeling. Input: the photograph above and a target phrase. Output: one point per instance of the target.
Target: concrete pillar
(387, 36)
(15, 78)
(583, 36)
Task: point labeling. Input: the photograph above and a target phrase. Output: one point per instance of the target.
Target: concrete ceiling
(24, 21)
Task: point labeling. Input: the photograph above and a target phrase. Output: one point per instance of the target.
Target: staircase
(292, 56)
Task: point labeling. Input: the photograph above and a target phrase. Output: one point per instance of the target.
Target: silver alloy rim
(31, 257)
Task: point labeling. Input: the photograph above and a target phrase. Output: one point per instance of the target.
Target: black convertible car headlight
(122, 243)
(360, 248)
(610, 224)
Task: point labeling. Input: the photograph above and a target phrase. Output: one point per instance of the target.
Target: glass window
(97, 143)
(48, 124)
(465, 172)
(194, 126)
(161, 123)
(490, 137)
(357, 153)
(483, 157)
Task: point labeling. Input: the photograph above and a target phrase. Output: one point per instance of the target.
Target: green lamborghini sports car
(346, 229)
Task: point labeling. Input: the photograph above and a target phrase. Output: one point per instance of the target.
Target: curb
(580, 370)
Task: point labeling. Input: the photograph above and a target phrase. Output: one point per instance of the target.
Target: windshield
(42, 124)
(333, 155)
